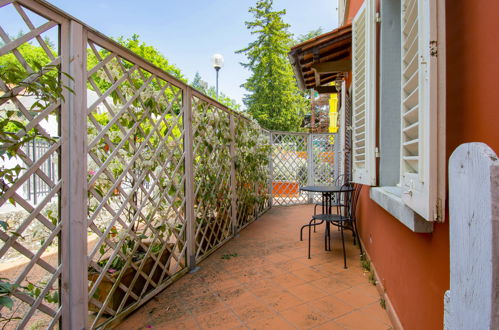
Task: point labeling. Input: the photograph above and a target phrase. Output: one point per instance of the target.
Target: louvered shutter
(363, 95)
(418, 107)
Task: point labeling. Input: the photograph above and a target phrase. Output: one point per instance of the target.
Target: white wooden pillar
(473, 299)
(74, 282)
(310, 165)
(342, 131)
(190, 217)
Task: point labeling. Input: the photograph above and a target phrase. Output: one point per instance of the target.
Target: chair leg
(329, 236)
(358, 237)
(343, 244)
(325, 238)
(309, 239)
(301, 232)
(307, 225)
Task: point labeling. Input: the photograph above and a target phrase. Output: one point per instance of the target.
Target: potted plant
(119, 274)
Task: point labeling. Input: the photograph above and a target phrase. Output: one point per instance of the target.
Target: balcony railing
(151, 175)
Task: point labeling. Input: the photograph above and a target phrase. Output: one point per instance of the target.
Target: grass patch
(382, 303)
(366, 265)
(229, 256)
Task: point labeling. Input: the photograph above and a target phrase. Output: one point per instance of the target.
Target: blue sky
(189, 32)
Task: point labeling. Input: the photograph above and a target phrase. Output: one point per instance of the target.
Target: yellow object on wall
(333, 113)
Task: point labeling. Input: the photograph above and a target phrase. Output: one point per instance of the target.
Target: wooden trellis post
(74, 290)
(190, 217)
(233, 186)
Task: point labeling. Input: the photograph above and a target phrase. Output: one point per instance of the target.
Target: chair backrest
(340, 180)
(344, 198)
(349, 195)
(355, 199)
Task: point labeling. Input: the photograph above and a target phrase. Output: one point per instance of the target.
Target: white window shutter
(363, 95)
(419, 107)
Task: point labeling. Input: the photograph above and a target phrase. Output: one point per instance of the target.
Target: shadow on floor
(263, 280)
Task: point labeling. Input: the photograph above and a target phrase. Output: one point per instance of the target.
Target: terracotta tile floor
(270, 284)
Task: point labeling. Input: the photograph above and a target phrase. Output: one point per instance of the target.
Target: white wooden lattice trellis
(136, 181)
(300, 159)
(42, 219)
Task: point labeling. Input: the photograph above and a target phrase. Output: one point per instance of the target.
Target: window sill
(390, 199)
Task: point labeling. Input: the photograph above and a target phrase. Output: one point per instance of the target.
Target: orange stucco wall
(472, 72)
(353, 8)
(414, 268)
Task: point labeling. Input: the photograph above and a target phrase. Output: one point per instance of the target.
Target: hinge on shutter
(378, 18)
(376, 152)
(433, 48)
(437, 213)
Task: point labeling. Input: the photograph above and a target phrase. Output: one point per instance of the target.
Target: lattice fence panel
(289, 168)
(212, 166)
(265, 201)
(30, 107)
(136, 182)
(323, 161)
(252, 171)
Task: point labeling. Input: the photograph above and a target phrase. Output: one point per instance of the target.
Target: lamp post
(217, 61)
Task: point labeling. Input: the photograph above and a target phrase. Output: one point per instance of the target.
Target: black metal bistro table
(327, 205)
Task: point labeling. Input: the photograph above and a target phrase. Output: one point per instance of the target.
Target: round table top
(326, 189)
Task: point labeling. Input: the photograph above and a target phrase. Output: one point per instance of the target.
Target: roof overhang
(320, 60)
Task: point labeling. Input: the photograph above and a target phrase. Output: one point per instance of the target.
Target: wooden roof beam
(332, 66)
(326, 89)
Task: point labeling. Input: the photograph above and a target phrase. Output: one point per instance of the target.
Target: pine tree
(274, 99)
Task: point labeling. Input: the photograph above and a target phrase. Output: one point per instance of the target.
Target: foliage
(6, 290)
(366, 265)
(252, 160)
(382, 303)
(151, 54)
(31, 53)
(212, 163)
(202, 86)
(147, 52)
(44, 85)
(274, 99)
(309, 35)
(42, 82)
(154, 134)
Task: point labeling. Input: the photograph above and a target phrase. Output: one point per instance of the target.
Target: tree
(310, 120)
(274, 99)
(151, 54)
(309, 35)
(202, 86)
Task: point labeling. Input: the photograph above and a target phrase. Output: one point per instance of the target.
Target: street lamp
(217, 61)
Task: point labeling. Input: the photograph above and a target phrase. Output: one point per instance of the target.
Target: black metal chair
(345, 217)
(334, 202)
(339, 181)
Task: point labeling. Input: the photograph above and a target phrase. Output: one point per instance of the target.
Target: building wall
(414, 268)
(353, 8)
(472, 73)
